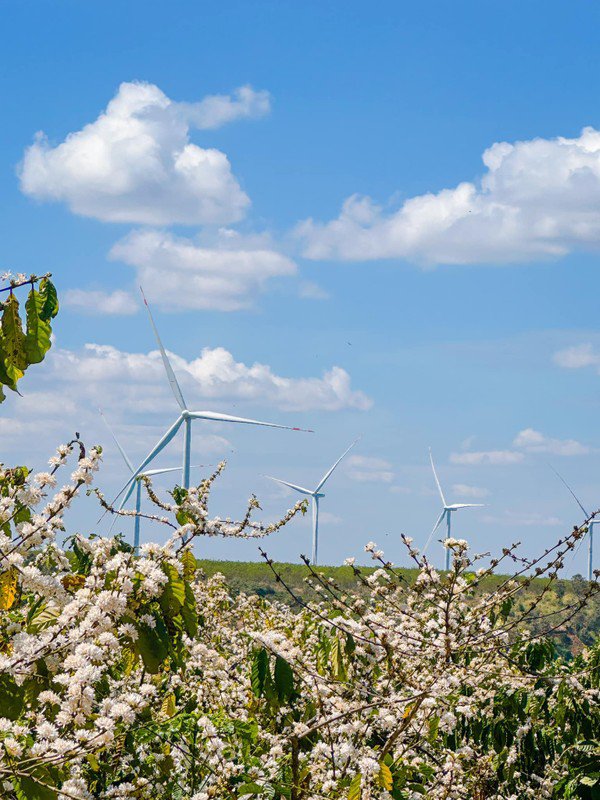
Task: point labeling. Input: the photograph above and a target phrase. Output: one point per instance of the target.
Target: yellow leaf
(168, 706)
(407, 712)
(8, 588)
(189, 565)
(385, 777)
(129, 659)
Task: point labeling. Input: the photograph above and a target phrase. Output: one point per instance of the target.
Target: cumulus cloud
(581, 355)
(533, 441)
(523, 518)
(214, 375)
(223, 272)
(136, 163)
(526, 441)
(496, 457)
(96, 301)
(537, 199)
(366, 469)
(464, 490)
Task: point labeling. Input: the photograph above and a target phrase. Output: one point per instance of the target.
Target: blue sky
(462, 318)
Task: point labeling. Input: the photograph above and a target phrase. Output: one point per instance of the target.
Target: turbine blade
(218, 417)
(328, 473)
(162, 442)
(437, 480)
(560, 477)
(300, 489)
(123, 453)
(170, 469)
(457, 506)
(440, 519)
(167, 364)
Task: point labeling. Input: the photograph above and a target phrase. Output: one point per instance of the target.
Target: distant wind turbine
(185, 418)
(447, 510)
(316, 494)
(138, 482)
(590, 526)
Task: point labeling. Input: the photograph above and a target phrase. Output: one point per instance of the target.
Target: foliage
(21, 346)
(127, 675)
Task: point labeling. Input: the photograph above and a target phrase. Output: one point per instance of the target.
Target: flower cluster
(131, 675)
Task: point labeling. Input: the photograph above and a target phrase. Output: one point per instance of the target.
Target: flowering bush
(127, 675)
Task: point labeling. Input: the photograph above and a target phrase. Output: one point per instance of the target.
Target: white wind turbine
(185, 418)
(316, 494)
(590, 525)
(138, 482)
(447, 510)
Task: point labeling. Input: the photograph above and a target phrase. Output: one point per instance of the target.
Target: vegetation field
(255, 577)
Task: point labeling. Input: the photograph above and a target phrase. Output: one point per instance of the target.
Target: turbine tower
(138, 482)
(590, 526)
(185, 418)
(447, 510)
(316, 494)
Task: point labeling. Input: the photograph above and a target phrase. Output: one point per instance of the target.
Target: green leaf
(13, 342)
(355, 789)
(42, 619)
(49, 297)
(258, 671)
(11, 698)
(337, 660)
(173, 596)
(189, 613)
(249, 788)
(30, 789)
(37, 339)
(151, 647)
(284, 679)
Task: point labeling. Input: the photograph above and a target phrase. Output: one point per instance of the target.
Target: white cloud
(464, 490)
(224, 272)
(523, 518)
(135, 163)
(537, 199)
(581, 355)
(496, 457)
(312, 291)
(526, 441)
(365, 469)
(96, 301)
(139, 380)
(218, 109)
(533, 441)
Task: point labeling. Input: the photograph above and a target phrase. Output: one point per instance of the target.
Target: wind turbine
(447, 510)
(185, 418)
(590, 526)
(316, 494)
(138, 482)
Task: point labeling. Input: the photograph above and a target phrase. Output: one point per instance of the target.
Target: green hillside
(251, 577)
